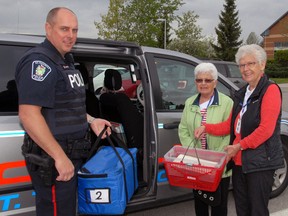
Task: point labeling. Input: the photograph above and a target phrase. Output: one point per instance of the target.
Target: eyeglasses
(205, 80)
(249, 65)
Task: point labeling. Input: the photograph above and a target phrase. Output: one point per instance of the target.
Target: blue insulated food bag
(104, 184)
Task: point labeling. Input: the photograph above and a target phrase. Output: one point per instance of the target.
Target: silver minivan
(167, 80)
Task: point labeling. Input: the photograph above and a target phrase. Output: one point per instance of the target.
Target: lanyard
(204, 138)
(209, 103)
(244, 108)
(246, 101)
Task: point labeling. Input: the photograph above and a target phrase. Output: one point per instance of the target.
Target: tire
(281, 175)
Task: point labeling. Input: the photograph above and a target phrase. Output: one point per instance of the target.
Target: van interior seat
(92, 102)
(116, 106)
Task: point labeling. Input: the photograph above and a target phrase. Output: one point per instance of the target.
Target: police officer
(52, 111)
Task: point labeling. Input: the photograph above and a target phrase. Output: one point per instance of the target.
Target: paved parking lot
(284, 88)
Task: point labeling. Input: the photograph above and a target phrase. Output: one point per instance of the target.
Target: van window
(234, 71)
(221, 69)
(223, 88)
(8, 90)
(176, 82)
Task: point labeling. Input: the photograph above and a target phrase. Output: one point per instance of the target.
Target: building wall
(277, 38)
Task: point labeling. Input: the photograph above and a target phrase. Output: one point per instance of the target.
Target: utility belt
(38, 160)
(76, 148)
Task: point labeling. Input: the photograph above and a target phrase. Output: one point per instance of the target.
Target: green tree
(137, 21)
(111, 26)
(166, 11)
(187, 26)
(142, 27)
(198, 48)
(189, 39)
(228, 32)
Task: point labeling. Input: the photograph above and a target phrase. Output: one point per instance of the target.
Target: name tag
(238, 126)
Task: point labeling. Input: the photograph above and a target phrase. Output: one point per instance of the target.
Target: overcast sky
(28, 16)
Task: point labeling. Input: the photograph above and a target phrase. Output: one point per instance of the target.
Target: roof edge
(264, 34)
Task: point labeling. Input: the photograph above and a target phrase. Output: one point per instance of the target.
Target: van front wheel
(280, 176)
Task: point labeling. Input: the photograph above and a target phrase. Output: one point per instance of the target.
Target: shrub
(281, 57)
(275, 68)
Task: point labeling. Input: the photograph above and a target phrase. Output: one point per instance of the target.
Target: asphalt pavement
(284, 88)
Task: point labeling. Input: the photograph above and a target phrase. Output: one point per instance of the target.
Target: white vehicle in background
(129, 87)
(99, 74)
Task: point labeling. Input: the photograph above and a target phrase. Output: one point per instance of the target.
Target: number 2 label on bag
(99, 195)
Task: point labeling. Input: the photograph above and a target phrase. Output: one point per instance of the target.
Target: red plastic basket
(195, 175)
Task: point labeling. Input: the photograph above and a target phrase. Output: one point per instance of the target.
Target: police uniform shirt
(38, 81)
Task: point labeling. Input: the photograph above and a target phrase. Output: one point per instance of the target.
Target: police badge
(40, 70)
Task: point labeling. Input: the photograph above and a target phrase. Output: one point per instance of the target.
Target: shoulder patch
(40, 70)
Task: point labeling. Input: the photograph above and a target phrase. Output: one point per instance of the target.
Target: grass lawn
(280, 80)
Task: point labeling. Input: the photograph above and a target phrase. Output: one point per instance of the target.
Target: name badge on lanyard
(243, 110)
(246, 101)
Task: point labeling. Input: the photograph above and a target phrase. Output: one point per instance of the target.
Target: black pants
(202, 209)
(252, 191)
(60, 199)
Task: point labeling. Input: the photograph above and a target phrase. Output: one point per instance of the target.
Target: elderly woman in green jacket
(208, 106)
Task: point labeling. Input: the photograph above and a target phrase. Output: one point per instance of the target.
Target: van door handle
(172, 125)
(237, 81)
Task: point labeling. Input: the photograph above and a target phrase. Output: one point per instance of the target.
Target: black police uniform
(47, 80)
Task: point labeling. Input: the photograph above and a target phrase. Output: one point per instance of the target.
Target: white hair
(251, 49)
(206, 67)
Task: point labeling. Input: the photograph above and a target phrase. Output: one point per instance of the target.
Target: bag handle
(122, 163)
(96, 144)
(94, 147)
(123, 145)
(114, 137)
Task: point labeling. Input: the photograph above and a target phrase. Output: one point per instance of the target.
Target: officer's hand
(98, 125)
(65, 169)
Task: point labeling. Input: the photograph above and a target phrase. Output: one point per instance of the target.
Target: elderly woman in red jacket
(255, 148)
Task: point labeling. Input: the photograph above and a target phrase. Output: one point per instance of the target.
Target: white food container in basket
(184, 170)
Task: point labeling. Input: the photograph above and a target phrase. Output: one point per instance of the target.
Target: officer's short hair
(53, 12)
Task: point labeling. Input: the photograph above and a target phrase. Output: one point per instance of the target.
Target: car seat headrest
(112, 79)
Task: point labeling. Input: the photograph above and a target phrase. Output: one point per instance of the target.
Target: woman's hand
(198, 132)
(232, 150)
